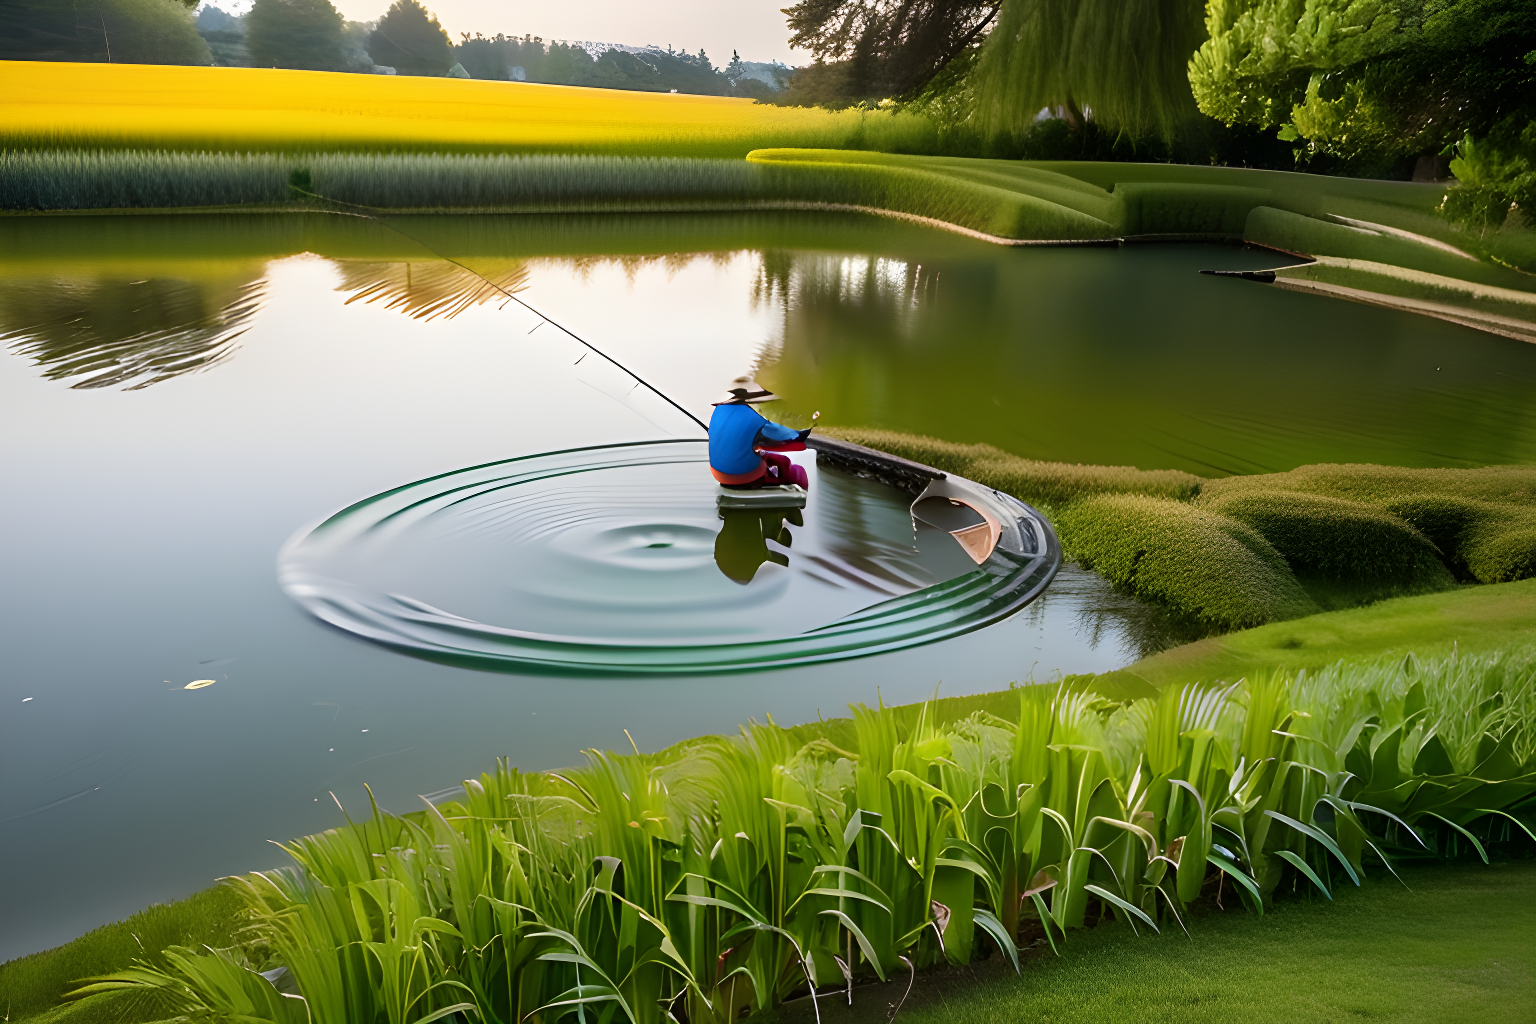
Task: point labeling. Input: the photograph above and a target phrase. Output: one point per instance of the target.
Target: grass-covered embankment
(32, 986)
(1472, 619)
(1242, 551)
(725, 875)
(1452, 945)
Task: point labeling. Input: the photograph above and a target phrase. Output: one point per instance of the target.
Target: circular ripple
(604, 561)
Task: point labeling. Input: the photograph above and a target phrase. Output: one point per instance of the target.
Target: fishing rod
(377, 216)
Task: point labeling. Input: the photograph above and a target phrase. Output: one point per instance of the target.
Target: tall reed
(725, 875)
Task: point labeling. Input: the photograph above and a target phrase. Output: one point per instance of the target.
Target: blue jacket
(735, 430)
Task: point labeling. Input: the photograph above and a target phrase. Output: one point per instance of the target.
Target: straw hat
(746, 391)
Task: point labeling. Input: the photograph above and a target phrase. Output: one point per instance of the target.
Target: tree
(304, 34)
(121, 31)
(1371, 78)
(410, 40)
(1123, 61)
(884, 48)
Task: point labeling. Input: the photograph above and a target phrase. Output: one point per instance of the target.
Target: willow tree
(1121, 63)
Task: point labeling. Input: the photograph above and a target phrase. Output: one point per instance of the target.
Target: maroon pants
(781, 471)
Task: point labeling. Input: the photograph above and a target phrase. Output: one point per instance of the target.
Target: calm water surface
(184, 394)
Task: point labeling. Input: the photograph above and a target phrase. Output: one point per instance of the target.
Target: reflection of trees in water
(859, 284)
(430, 289)
(129, 333)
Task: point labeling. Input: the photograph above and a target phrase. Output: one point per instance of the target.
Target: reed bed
(149, 179)
(52, 105)
(722, 876)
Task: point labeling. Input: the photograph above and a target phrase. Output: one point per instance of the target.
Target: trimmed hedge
(1047, 484)
(1199, 563)
(1339, 541)
(1179, 209)
(1242, 551)
(1483, 521)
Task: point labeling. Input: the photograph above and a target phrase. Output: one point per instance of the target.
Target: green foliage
(1425, 952)
(1201, 564)
(1364, 79)
(1123, 59)
(1294, 232)
(120, 31)
(1492, 186)
(409, 39)
(870, 50)
(1482, 520)
(1364, 547)
(31, 984)
(562, 64)
(1047, 484)
(724, 875)
(1154, 208)
(1241, 551)
(1465, 619)
(1259, 54)
(304, 34)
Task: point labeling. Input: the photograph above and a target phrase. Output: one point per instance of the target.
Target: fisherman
(744, 447)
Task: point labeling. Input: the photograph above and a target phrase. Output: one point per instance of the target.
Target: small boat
(782, 496)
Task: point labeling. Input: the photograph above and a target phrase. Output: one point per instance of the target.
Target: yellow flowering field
(141, 106)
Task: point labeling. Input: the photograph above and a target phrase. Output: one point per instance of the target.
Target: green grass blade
(993, 927)
(1323, 839)
(1294, 859)
(1470, 837)
(1129, 908)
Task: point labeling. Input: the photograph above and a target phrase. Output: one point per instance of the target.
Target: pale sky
(754, 27)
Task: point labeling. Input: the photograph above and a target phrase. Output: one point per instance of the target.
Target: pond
(186, 395)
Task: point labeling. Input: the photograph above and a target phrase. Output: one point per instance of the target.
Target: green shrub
(1278, 542)
(1339, 541)
(1047, 484)
(1180, 209)
(1197, 562)
(1482, 520)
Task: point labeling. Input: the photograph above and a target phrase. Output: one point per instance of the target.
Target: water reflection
(1130, 357)
(431, 289)
(127, 333)
(741, 547)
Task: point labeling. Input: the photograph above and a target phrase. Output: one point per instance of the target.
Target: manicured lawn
(1460, 946)
(1472, 617)
(30, 985)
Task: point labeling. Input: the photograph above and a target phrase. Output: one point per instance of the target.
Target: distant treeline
(312, 35)
(652, 70)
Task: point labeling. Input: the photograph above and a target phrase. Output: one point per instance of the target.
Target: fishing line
(369, 213)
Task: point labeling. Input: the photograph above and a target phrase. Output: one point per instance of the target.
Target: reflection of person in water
(742, 545)
(744, 447)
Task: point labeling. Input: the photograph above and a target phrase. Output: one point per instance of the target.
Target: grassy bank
(1456, 944)
(1243, 551)
(728, 874)
(1474, 619)
(1467, 618)
(31, 986)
